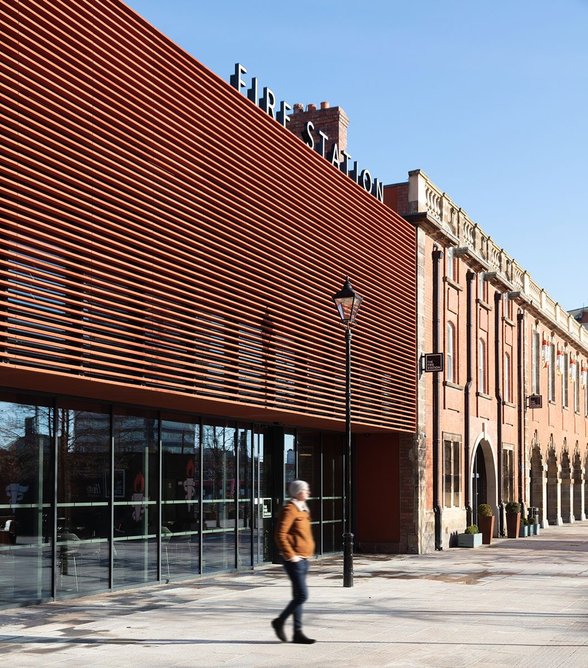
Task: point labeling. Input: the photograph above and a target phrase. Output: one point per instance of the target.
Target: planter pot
(486, 525)
(524, 531)
(533, 529)
(469, 539)
(513, 524)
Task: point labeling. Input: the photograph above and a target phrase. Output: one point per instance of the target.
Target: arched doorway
(483, 479)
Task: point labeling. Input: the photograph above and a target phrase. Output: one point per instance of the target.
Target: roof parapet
(428, 204)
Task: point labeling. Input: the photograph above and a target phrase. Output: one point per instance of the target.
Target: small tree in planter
(486, 521)
(524, 528)
(513, 519)
(470, 538)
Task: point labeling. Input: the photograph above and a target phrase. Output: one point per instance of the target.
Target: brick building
(507, 420)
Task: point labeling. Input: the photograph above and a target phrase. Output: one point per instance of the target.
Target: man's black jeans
(297, 571)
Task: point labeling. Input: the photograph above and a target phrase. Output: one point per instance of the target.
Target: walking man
(294, 539)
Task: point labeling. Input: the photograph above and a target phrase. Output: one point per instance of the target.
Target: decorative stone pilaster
(423, 540)
(416, 533)
(538, 496)
(579, 493)
(554, 495)
(538, 485)
(567, 490)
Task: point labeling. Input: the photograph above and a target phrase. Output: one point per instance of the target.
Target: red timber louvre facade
(169, 352)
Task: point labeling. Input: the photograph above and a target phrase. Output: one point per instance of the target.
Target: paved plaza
(516, 603)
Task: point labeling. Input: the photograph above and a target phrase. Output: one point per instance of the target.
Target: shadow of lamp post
(347, 302)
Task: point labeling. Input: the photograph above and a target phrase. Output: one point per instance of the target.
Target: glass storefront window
(180, 513)
(139, 496)
(309, 469)
(320, 463)
(136, 489)
(26, 439)
(289, 462)
(264, 510)
(332, 519)
(245, 500)
(219, 477)
(83, 491)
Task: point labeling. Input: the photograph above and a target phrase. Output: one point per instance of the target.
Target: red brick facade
(505, 343)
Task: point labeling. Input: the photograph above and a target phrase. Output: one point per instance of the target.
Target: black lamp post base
(348, 560)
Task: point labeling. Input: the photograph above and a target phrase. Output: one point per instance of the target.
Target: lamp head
(347, 302)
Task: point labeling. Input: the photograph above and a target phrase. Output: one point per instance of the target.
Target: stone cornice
(447, 223)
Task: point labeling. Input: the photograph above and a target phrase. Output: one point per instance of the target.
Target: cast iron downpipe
(499, 407)
(437, 255)
(466, 399)
(520, 398)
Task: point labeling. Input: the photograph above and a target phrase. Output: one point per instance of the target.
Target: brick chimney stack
(333, 121)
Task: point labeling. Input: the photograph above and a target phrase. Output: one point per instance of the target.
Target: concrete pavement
(516, 603)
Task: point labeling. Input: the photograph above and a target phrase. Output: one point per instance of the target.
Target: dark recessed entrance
(483, 478)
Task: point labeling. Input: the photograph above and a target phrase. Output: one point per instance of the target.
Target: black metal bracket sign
(534, 401)
(432, 362)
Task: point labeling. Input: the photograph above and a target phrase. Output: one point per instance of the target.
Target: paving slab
(519, 603)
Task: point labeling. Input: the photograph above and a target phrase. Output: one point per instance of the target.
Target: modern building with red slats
(170, 356)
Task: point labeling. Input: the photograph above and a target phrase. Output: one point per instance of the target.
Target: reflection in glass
(218, 504)
(26, 436)
(244, 535)
(263, 539)
(83, 489)
(180, 519)
(289, 462)
(332, 493)
(309, 469)
(217, 484)
(136, 477)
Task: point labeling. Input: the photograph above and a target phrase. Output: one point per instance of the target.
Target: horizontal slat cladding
(159, 230)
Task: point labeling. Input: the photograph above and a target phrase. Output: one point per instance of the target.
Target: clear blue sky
(488, 97)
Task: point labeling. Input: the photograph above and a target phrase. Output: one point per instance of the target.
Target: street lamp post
(347, 302)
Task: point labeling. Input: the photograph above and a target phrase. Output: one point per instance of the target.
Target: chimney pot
(311, 107)
(298, 107)
(324, 105)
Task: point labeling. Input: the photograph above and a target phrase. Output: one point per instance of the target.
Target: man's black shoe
(279, 629)
(301, 639)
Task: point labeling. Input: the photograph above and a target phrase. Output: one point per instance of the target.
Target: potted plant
(486, 522)
(470, 538)
(513, 519)
(524, 528)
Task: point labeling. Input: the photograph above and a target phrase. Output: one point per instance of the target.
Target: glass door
(274, 468)
(263, 500)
